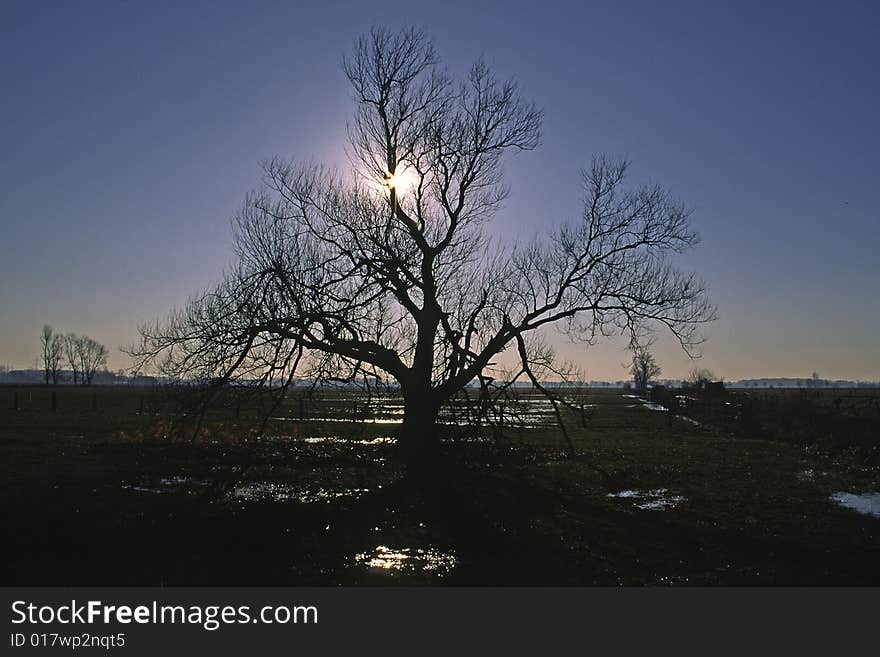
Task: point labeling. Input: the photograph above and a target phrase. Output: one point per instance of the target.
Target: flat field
(98, 490)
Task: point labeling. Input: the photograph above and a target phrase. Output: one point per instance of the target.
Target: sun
(399, 181)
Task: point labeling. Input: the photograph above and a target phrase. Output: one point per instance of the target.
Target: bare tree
(57, 351)
(644, 368)
(91, 355)
(71, 354)
(45, 342)
(388, 275)
(53, 347)
(700, 376)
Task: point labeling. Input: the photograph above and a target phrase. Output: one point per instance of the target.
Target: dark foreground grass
(103, 497)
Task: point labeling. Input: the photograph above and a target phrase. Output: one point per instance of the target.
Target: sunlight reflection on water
(369, 420)
(384, 558)
(378, 440)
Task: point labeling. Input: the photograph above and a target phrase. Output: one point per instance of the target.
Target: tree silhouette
(92, 355)
(644, 368)
(700, 376)
(386, 274)
(71, 354)
(52, 350)
(84, 356)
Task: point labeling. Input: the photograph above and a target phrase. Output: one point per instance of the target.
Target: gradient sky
(130, 133)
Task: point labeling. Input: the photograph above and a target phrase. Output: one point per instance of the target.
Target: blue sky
(130, 133)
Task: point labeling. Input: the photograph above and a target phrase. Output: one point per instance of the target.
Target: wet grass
(109, 497)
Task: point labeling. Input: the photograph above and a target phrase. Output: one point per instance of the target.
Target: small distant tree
(45, 341)
(92, 355)
(71, 354)
(700, 376)
(644, 369)
(53, 348)
(57, 355)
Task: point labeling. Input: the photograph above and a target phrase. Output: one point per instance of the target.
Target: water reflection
(387, 559)
(651, 406)
(174, 484)
(259, 491)
(346, 420)
(378, 440)
(866, 503)
(658, 499)
(524, 413)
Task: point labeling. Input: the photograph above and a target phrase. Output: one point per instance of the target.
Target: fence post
(141, 409)
(301, 410)
(583, 417)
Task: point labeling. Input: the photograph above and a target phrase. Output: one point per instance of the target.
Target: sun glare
(400, 180)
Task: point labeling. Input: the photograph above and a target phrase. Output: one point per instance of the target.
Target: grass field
(99, 492)
(838, 421)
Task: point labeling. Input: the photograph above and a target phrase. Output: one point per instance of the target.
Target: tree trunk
(420, 443)
(419, 439)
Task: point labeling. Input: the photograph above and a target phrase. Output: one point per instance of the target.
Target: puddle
(142, 489)
(182, 481)
(168, 485)
(349, 420)
(261, 491)
(332, 440)
(811, 474)
(391, 560)
(378, 440)
(509, 424)
(521, 413)
(866, 503)
(658, 499)
(257, 491)
(651, 406)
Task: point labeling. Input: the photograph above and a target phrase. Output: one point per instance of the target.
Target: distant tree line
(80, 353)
